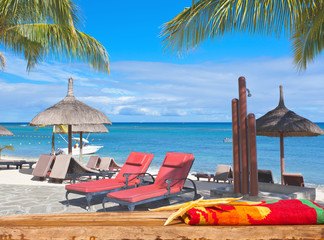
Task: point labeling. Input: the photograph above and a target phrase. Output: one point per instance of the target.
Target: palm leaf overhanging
(37, 29)
(301, 20)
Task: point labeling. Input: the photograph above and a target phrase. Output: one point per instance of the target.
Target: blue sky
(148, 84)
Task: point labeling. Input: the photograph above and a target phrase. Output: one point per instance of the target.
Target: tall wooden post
(253, 155)
(243, 136)
(236, 146)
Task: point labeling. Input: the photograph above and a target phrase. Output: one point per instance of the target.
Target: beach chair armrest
(109, 174)
(170, 180)
(194, 188)
(127, 175)
(142, 175)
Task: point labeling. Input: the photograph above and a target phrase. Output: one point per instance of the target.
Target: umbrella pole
(70, 138)
(282, 157)
(53, 143)
(81, 143)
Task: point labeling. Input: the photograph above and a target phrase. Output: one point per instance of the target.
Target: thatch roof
(5, 131)
(70, 111)
(283, 121)
(99, 128)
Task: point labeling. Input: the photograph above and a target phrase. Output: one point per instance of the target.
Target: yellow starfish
(184, 207)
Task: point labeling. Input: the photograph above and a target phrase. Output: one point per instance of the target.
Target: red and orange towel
(290, 211)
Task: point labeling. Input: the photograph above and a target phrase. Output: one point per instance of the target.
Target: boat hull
(76, 151)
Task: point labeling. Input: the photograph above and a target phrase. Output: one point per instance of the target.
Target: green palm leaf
(300, 20)
(2, 61)
(307, 39)
(38, 29)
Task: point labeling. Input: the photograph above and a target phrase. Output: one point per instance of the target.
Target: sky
(149, 84)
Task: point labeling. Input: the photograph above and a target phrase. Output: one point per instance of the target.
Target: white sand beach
(25, 194)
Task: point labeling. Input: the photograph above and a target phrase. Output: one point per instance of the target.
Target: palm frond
(7, 147)
(37, 28)
(56, 41)
(32, 51)
(209, 19)
(61, 12)
(2, 62)
(308, 35)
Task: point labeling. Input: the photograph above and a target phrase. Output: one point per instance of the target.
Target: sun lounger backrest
(223, 172)
(105, 163)
(114, 166)
(94, 162)
(136, 163)
(60, 166)
(78, 168)
(294, 179)
(175, 166)
(43, 165)
(265, 176)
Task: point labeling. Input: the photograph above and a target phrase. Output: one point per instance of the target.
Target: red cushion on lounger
(136, 158)
(175, 160)
(141, 193)
(135, 163)
(95, 186)
(119, 181)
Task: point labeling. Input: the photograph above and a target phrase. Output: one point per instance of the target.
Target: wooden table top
(139, 225)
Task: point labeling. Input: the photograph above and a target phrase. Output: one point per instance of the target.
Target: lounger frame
(90, 195)
(131, 205)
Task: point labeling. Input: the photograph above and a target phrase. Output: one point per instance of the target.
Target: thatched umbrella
(80, 129)
(70, 112)
(5, 131)
(281, 122)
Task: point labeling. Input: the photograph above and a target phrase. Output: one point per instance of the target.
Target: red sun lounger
(136, 165)
(168, 183)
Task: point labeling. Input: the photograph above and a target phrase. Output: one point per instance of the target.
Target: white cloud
(116, 91)
(154, 91)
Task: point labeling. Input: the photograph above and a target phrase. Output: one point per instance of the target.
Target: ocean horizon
(204, 139)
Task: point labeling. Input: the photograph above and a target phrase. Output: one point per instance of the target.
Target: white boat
(86, 148)
(227, 140)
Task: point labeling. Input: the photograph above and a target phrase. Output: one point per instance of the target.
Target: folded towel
(291, 211)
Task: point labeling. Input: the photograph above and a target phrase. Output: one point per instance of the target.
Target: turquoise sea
(205, 140)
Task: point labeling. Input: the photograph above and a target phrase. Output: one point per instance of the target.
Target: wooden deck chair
(204, 175)
(66, 167)
(94, 162)
(294, 179)
(105, 164)
(168, 183)
(114, 166)
(223, 173)
(265, 176)
(129, 176)
(43, 165)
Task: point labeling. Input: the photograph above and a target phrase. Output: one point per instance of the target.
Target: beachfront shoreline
(29, 195)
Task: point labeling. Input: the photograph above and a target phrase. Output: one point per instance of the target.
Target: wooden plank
(139, 225)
